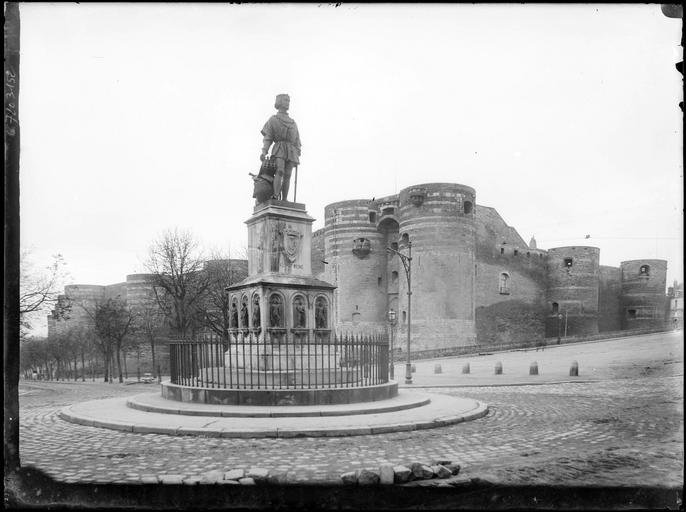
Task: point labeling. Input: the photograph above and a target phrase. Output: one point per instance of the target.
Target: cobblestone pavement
(614, 432)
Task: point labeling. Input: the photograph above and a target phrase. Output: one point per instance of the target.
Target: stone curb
(496, 385)
(480, 410)
(134, 404)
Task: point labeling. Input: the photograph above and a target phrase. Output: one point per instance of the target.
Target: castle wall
(573, 284)
(609, 308)
(510, 283)
(643, 285)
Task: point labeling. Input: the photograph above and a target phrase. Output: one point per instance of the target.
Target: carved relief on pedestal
(321, 314)
(299, 313)
(260, 234)
(244, 312)
(276, 245)
(233, 315)
(276, 311)
(256, 322)
(291, 244)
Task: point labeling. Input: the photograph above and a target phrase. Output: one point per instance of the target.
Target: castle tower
(438, 218)
(573, 287)
(356, 254)
(643, 299)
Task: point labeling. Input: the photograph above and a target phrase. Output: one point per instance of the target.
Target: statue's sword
(295, 189)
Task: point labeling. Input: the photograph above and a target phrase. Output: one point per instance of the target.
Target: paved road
(618, 431)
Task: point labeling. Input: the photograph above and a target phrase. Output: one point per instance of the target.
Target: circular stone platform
(153, 402)
(407, 411)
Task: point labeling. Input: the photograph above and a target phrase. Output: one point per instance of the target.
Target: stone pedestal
(280, 297)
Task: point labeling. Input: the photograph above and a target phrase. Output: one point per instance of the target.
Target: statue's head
(283, 101)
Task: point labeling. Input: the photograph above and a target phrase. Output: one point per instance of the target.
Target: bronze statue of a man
(282, 131)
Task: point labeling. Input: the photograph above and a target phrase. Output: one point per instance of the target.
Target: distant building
(76, 305)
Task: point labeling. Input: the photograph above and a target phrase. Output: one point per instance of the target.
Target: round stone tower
(139, 290)
(572, 293)
(438, 218)
(643, 300)
(355, 253)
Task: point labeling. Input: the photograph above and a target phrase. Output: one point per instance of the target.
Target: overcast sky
(136, 118)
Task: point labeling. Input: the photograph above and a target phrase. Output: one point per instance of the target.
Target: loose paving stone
(454, 468)
(367, 477)
(278, 477)
(386, 474)
(441, 471)
(349, 478)
(212, 477)
(234, 474)
(258, 474)
(246, 481)
(402, 474)
(421, 471)
(171, 479)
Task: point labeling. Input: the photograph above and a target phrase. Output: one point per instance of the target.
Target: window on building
(394, 276)
(405, 239)
(644, 270)
(516, 252)
(502, 250)
(467, 207)
(372, 217)
(556, 308)
(404, 316)
(387, 211)
(568, 262)
(504, 284)
(631, 313)
(394, 246)
(378, 281)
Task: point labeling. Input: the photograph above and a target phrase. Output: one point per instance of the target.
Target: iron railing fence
(303, 360)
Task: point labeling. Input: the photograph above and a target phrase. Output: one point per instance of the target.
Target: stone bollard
(438, 369)
(465, 368)
(574, 369)
(413, 368)
(533, 369)
(498, 368)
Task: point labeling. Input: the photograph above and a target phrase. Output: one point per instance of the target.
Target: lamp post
(407, 265)
(559, 327)
(391, 320)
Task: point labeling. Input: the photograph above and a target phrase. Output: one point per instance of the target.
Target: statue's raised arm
(281, 131)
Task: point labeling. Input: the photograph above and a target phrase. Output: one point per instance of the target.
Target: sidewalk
(660, 353)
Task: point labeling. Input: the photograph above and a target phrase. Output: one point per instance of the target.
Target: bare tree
(149, 325)
(39, 289)
(113, 323)
(178, 281)
(222, 271)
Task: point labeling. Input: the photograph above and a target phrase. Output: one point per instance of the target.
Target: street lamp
(407, 265)
(559, 327)
(391, 319)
